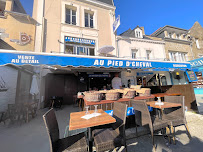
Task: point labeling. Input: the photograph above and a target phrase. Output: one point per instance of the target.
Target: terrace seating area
(34, 136)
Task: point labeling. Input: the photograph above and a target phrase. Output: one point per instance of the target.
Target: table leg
(90, 139)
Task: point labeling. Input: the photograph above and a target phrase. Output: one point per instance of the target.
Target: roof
(109, 2)
(131, 33)
(168, 28)
(4, 45)
(196, 31)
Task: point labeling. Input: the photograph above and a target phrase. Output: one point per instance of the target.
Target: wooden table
(76, 122)
(166, 105)
(161, 107)
(166, 94)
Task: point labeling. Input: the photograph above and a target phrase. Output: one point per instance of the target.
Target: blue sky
(152, 14)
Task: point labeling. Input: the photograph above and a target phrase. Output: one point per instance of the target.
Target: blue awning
(33, 58)
(197, 63)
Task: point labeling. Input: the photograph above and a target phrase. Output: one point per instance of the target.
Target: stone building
(177, 46)
(195, 33)
(17, 29)
(78, 27)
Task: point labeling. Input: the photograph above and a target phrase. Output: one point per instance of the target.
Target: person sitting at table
(116, 82)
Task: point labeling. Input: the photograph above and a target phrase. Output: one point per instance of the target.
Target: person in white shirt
(116, 82)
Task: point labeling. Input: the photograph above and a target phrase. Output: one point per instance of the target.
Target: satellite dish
(106, 49)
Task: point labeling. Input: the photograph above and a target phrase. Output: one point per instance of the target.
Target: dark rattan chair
(154, 123)
(176, 115)
(113, 137)
(76, 143)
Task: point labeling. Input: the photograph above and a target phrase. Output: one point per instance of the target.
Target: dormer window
(138, 33)
(169, 35)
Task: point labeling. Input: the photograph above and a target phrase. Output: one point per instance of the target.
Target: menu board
(191, 76)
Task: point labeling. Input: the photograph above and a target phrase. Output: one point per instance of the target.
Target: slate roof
(131, 33)
(4, 45)
(109, 2)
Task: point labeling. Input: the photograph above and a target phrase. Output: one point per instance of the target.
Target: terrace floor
(32, 136)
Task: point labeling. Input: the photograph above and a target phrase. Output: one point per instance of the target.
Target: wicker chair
(154, 123)
(176, 115)
(110, 138)
(76, 143)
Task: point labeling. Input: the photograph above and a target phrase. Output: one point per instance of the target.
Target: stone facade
(196, 35)
(177, 45)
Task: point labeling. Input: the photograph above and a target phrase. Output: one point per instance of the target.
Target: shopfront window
(69, 49)
(71, 16)
(79, 46)
(89, 20)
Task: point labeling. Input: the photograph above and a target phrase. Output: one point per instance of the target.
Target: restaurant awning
(33, 58)
(197, 65)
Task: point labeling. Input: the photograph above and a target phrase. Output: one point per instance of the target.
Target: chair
(113, 136)
(30, 109)
(176, 115)
(14, 112)
(154, 123)
(76, 143)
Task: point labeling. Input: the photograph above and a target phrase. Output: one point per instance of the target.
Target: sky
(152, 14)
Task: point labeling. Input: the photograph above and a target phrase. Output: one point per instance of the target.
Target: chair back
(52, 128)
(119, 113)
(179, 111)
(141, 106)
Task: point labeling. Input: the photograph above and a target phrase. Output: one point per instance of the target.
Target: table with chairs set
(101, 131)
(19, 112)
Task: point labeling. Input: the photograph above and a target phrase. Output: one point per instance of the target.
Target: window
(69, 49)
(79, 50)
(71, 16)
(200, 55)
(197, 43)
(169, 35)
(148, 52)
(2, 8)
(178, 56)
(89, 21)
(134, 53)
(172, 56)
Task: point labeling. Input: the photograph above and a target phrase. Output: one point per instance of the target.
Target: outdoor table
(166, 94)
(76, 122)
(161, 107)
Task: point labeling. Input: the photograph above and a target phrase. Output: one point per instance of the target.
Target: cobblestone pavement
(32, 136)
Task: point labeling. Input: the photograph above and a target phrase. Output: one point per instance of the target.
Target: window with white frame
(178, 56)
(169, 35)
(89, 19)
(71, 15)
(197, 43)
(148, 54)
(134, 53)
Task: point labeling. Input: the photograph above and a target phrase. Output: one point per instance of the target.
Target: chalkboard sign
(191, 76)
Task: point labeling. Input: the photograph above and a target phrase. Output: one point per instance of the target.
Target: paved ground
(32, 136)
